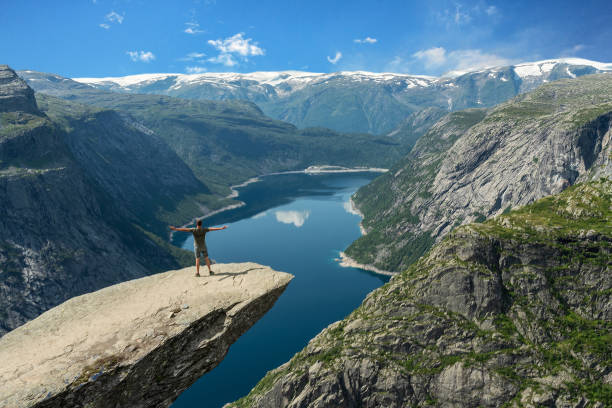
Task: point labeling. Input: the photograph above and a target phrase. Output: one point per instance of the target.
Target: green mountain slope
(140, 173)
(515, 311)
(473, 165)
(226, 142)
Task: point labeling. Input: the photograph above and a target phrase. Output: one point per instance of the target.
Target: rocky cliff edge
(139, 343)
(512, 312)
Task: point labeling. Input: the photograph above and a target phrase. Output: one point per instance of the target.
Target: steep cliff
(61, 233)
(140, 173)
(477, 164)
(136, 344)
(516, 311)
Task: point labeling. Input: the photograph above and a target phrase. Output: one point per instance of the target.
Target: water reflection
(348, 207)
(271, 230)
(296, 218)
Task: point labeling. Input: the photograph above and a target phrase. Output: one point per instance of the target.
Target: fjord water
(295, 223)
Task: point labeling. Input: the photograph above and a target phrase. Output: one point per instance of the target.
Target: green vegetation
(227, 142)
(544, 328)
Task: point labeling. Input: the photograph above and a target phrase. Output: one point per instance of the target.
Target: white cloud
(473, 59)
(114, 17)
(460, 16)
(195, 70)
(232, 47)
(296, 218)
(468, 59)
(192, 56)
(491, 10)
(237, 44)
(225, 59)
(105, 26)
(572, 51)
(367, 40)
(193, 28)
(398, 64)
(336, 58)
(142, 56)
(431, 58)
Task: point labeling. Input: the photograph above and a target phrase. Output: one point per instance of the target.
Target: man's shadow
(230, 274)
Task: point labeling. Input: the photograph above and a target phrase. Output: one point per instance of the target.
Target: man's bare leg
(198, 266)
(210, 272)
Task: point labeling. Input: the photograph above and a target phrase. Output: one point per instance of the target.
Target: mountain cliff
(515, 311)
(62, 233)
(475, 164)
(136, 344)
(354, 101)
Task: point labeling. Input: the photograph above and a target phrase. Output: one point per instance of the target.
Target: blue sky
(123, 37)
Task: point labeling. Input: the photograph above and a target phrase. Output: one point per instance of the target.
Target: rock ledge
(139, 343)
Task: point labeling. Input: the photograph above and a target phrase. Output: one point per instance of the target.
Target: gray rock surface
(135, 344)
(15, 94)
(516, 311)
(468, 168)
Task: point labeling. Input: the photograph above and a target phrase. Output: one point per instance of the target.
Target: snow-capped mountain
(355, 101)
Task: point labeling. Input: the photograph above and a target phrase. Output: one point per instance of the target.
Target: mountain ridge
(355, 101)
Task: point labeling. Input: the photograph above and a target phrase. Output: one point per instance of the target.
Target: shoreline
(234, 193)
(309, 170)
(346, 261)
(330, 169)
(360, 214)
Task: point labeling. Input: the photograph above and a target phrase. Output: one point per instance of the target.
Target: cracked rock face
(135, 344)
(476, 164)
(516, 311)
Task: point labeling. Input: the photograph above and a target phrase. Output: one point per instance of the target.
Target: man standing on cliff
(199, 243)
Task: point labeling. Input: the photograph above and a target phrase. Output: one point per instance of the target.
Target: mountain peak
(15, 94)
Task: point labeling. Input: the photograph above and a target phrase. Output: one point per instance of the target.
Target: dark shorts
(200, 251)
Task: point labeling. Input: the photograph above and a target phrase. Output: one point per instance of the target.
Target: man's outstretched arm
(218, 228)
(180, 229)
